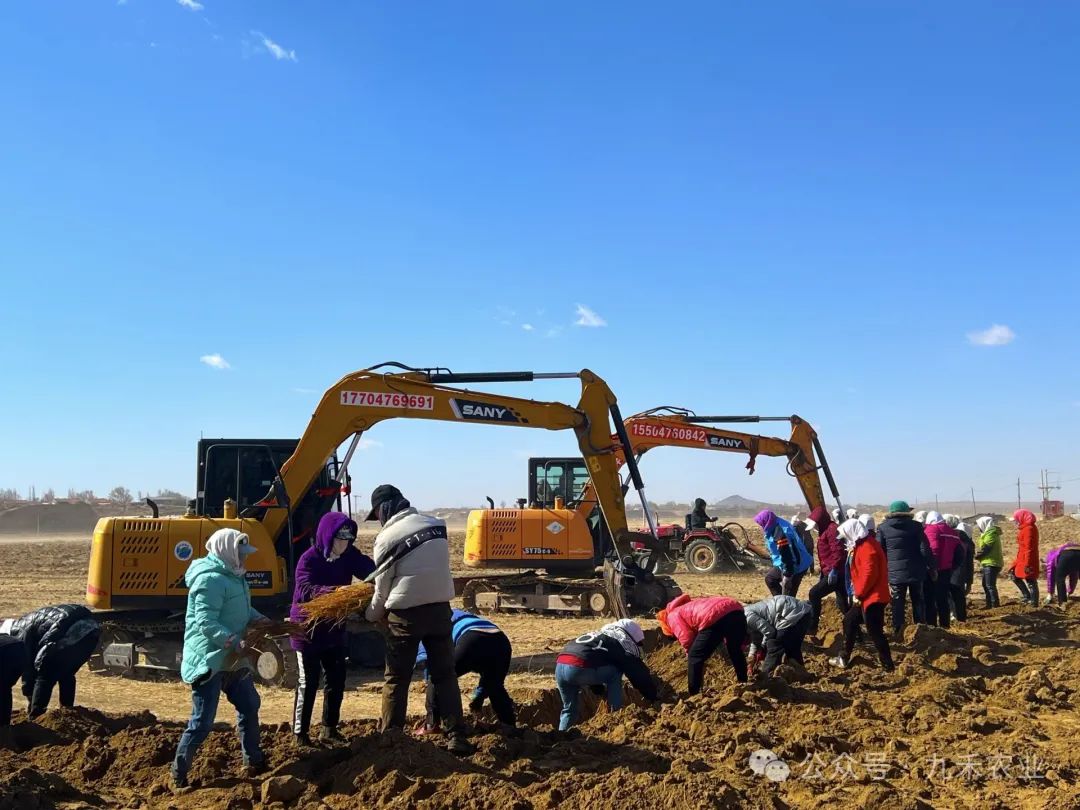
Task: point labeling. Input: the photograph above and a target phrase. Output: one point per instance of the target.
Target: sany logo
(471, 409)
(724, 441)
(555, 527)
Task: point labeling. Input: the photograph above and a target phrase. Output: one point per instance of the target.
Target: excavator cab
(551, 478)
(243, 470)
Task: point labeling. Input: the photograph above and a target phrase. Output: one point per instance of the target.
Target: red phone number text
(664, 432)
(367, 399)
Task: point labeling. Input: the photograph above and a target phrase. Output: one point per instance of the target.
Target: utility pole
(1018, 506)
(1046, 486)
(937, 506)
(974, 508)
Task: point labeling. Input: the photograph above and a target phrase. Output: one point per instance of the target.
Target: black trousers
(12, 664)
(958, 598)
(60, 668)
(874, 618)
(408, 627)
(313, 665)
(823, 588)
(786, 644)
(487, 654)
(899, 591)
(774, 581)
(1029, 588)
(936, 600)
(730, 630)
(989, 583)
(1068, 563)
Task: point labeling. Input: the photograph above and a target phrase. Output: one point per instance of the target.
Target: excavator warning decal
(370, 399)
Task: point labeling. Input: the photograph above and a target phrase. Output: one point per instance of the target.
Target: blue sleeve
(421, 658)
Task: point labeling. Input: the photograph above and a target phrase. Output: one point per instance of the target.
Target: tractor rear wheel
(702, 556)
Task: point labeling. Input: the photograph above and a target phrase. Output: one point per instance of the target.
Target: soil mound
(980, 715)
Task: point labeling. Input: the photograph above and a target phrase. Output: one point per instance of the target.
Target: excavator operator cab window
(551, 478)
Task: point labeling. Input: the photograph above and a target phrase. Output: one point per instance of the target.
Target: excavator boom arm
(361, 400)
(649, 429)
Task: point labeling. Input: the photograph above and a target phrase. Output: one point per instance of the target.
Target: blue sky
(772, 208)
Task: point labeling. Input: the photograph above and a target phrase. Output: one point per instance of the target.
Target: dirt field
(980, 716)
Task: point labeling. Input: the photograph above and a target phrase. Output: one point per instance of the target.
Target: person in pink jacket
(701, 625)
(948, 553)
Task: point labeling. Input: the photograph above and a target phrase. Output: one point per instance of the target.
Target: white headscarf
(867, 520)
(962, 527)
(920, 516)
(225, 545)
(836, 514)
(952, 521)
(851, 513)
(852, 531)
(984, 523)
(934, 518)
(628, 633)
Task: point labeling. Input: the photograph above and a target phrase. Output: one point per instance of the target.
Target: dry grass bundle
(336, 605)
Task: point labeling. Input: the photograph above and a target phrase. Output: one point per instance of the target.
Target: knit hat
(899, 508)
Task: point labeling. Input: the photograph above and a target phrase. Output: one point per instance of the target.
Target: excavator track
(149, 649)
(540, 593)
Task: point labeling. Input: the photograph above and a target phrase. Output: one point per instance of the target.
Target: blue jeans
(239, 689)
(570, 681)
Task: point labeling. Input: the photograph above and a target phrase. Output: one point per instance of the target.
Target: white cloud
(367, 444)
(554, 331)
(528, 327)
(996, 335)
(586, 317)
(305, 391)
(275, 50)
(215, 361)
(190, 5)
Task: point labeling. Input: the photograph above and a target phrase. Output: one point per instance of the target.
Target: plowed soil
(981, 716)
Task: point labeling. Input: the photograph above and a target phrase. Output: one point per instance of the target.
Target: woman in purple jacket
(331, 562)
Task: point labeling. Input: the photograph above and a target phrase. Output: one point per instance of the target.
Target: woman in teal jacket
(218, 613)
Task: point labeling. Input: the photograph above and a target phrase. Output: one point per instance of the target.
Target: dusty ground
(981, 716)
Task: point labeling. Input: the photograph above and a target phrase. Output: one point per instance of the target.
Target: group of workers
(925, 557)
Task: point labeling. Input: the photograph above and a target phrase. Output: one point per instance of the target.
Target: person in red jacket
(701, 625)
(1024, 572)
(830, 550)
(868, 580)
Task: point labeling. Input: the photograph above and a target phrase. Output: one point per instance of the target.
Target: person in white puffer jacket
(412, 597)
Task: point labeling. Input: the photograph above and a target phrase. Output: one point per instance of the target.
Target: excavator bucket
(615, 587)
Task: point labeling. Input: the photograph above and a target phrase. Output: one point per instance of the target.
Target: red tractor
(716, 549)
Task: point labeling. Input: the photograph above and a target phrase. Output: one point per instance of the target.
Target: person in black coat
(910, 560)
(963, 572)
(58, 639)
(12, 664)
(699, 518)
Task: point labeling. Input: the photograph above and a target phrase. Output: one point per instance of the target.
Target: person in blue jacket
(790, 558)
(218, 614)
(480, 647)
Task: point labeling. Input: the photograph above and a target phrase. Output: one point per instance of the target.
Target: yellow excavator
(137, 564)
(554, 483)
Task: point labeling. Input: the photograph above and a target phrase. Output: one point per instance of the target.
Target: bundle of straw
(336, 605)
